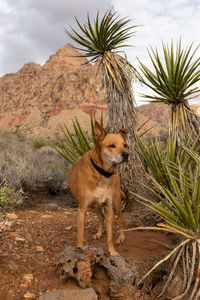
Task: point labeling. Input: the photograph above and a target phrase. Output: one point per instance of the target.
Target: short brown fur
(91, 188)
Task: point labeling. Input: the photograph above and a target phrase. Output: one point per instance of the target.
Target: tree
(175, 83)
(101, 42)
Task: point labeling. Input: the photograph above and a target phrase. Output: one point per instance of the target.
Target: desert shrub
(38, 142)
(9, 197)
(24, 166)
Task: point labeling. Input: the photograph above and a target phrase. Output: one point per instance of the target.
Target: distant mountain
(37, 98)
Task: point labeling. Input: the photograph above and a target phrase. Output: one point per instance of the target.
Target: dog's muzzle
(125, 156)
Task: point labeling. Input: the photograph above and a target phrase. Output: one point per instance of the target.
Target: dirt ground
(31, 245)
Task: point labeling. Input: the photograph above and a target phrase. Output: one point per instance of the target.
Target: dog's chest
(101, 195)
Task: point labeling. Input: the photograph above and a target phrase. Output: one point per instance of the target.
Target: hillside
(37, 98)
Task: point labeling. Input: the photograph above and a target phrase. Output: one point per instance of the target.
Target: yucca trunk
(122, 111)
(184, 122)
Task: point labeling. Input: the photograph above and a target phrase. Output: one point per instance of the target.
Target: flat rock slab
(78, 294)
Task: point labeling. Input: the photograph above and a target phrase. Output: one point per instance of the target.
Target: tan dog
(94, 179)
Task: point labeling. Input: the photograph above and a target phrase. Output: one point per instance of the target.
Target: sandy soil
(31, 244)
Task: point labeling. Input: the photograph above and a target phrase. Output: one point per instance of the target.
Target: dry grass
(24, 165)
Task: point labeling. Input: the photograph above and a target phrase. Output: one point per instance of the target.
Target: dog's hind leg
(100, 231)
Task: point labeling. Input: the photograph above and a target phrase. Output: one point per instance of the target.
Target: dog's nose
(125, 155)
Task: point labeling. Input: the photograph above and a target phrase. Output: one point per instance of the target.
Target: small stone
(23, 286)
(39, 249)
(6, 224)
(18, 239)
(12, 216)
(68, 227)
(28, 277)
(29, 295)
(46, 216)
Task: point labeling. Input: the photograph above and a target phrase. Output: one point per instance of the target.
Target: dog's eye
(125, 145)
(111, 146)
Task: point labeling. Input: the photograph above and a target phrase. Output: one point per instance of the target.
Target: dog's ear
(99, 131)
(124, 132)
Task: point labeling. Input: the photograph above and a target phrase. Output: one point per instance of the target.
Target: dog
(94, 180)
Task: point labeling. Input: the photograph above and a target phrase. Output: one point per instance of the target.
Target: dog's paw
(97, 236)
(114, 253)
(120, 239)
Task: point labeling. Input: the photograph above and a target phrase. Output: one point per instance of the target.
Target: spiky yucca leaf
(175, 82)
(100, 41)
(75, 143)
(155, 158)
(179, 207)
(107, 35)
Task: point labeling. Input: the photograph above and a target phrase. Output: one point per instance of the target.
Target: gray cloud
(31, 30)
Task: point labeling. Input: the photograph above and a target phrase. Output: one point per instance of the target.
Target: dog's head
(113, 147)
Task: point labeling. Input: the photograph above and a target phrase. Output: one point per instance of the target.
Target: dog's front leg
(118, 208)
(109, 227)
(81, 225)
(100, 225)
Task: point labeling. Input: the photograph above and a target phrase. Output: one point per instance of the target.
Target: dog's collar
(100, 170)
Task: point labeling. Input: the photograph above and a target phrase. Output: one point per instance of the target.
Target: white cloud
(32, 30)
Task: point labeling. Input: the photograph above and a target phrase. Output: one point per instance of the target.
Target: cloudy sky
(32, 30)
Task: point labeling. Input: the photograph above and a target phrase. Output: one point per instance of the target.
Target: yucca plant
(101, 41)
(174, 81)
(155, 157)
(76, 142)
(179, 207)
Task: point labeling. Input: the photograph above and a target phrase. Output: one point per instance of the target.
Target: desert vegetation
(170, 167)
(29, 162)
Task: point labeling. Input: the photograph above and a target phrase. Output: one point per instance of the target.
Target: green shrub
(10, 198)
(38, 142)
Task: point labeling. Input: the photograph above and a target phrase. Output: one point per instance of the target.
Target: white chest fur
(102, 195)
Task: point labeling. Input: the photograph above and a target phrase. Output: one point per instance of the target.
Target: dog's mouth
(125, 159)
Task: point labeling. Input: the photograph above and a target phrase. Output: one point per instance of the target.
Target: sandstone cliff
(37, 98)
(33, 95)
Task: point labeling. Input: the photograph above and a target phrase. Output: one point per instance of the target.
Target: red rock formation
(37, 98)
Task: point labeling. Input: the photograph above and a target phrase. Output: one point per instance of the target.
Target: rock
(78, 263)
(6, 225)
(29, 295)
(23, 286)
(126, 291)
(175, 287)
(84, 263)
(119, 269)
(46, 216)
(18, 239)
(35, 95)
(39, 249)
(68, 227)
(78, 294)
(12, 216)
(28, 277)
